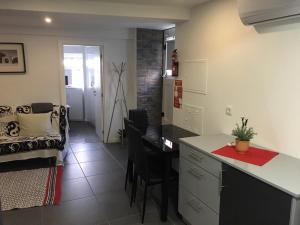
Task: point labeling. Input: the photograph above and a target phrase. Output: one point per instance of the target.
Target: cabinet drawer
(206, 162)
(194, 211)
(202, 184)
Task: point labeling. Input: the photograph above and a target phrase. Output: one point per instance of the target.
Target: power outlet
(228, 110)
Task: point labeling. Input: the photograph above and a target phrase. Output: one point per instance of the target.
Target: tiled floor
(92, 190)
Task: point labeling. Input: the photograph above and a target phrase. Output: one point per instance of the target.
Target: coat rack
(120, 72)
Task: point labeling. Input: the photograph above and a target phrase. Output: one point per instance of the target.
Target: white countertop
(282, 172)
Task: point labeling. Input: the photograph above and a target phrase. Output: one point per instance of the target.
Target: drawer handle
(194, 206)
(195, 174)
(221, 186)
(195, 157)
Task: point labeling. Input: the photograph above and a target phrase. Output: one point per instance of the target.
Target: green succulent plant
(242, 132)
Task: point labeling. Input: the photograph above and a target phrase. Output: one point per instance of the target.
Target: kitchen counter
(282, 172)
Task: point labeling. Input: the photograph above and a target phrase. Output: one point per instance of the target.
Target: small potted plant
(243, 136)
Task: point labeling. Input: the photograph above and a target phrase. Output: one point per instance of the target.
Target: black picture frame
(12, 58)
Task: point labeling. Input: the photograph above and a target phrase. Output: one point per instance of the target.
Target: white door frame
(62, 93)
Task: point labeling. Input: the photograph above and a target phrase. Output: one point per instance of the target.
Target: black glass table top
(166, 137)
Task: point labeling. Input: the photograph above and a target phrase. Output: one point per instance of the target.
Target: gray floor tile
(30, 216)
(173, 216)
(123, 163)
(100, 167)
(116, 204)
(90, 156)
(151, 205)
(75, 189)
(127, 220)
(84, 211)
(80, 147)
(82, 132)
(111, 181)
(75, 140)
(117, 149)
(150, 219)
(72, 171)
(70, 158)
(92, 139)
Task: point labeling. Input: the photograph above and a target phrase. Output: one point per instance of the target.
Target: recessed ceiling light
(48, 19)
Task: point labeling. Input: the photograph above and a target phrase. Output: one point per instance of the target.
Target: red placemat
(255, 156)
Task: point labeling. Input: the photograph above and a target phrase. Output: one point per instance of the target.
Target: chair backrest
(126, 123)
(140, 119)
(140, 157)
(129, 147)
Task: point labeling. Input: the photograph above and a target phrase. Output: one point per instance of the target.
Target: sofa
(38, 130)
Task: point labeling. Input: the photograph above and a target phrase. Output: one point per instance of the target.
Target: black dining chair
(130, 159)
(139, 118)
(148, 165)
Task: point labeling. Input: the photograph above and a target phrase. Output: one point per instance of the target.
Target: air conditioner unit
(259, 11)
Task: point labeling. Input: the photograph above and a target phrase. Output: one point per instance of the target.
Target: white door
(93, 97)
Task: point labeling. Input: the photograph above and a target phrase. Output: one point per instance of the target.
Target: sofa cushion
(9, 126)
(34, 125)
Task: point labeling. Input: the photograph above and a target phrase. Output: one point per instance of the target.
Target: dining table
(165, 140)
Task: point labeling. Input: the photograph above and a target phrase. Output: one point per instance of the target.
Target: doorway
(82, 73)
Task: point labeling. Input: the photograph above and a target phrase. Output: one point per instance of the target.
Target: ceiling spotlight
(48, 20)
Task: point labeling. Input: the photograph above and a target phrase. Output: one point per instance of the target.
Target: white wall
(257, 73)
(43, 81)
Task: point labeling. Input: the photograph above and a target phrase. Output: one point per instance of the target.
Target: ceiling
(75, 21)
(184, 3)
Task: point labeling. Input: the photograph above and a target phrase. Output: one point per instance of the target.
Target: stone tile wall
(149, 72)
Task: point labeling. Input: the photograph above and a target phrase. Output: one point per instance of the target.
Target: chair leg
(144, 202)
(130, 171)
(133, 189)
(126, 177)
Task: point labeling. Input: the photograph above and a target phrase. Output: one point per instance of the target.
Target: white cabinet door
(200, 159)
(200, 183)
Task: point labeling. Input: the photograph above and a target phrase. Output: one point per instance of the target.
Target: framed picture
(12, 58)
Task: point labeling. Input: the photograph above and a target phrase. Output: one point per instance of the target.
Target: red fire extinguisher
(174, 63)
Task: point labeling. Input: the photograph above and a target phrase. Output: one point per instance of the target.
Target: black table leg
(165, 189)
(130, 171)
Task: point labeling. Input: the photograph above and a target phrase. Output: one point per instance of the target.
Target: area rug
(29, 188)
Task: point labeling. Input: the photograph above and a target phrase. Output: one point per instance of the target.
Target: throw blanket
(25, 144)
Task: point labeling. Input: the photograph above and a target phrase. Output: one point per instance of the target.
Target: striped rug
(29, 188)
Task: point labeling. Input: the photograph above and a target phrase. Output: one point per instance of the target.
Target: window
(169, 42)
